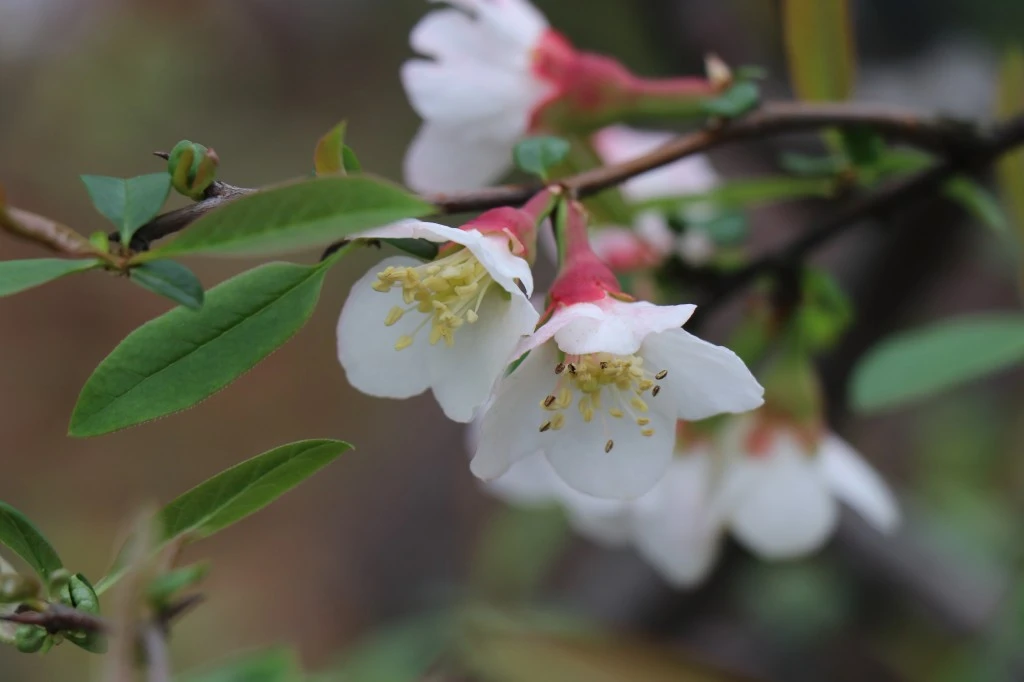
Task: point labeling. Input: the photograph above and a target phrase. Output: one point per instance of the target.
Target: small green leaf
(537, 155)
(129, 203)
(328, 158)
(862, 146)
(725, 228)
(299, 215)
(273, 665)
(925, 361)
(808, 165)
(736, 101)
(234, 494)
(170, 279)
(184, 356)
(420, 248)
(167, 586)
(748, 193)
(820, 48)
(19, 275)
(350, 160)
(21, 536)
(979, 202)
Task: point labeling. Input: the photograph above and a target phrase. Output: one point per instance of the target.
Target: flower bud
(193, 168)
(30, 638)
(79, 593)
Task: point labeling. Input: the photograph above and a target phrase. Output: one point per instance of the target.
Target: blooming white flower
(779, 494)
(449, 325)
(600, 393)
(651, 239)
(478, 93)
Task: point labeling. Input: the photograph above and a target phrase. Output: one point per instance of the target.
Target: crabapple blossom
(496, 73)
(449, 325)
(604, 382)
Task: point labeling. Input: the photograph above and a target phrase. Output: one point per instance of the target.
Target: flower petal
(703, 379)
(441, 159)
(608, 326)
(451, 35)
(517, 21)
(672, 528)
(463, 376)
(529, 482)
(509, 432)
(854, 482)
(634, 464)
(777, 504)
(366, 346)
(495, 254)
(690, 175)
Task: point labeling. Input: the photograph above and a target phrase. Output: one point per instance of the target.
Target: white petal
(653, 229)
(630, 469)
(516, 21)
(779, 507)
(608, 326)
(703, 379)
(509, 431)
(366, 347)
(462, 376)
(672, 526)
(690, 175)
(494, 253)
(440, 159)
(854, 482)
(529, 482)
(450, 35)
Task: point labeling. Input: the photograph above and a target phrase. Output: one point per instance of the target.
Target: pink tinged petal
(463, 376)
(509, 431)
(366, 346)
(413, 229)
(673, 528)
(495, 254)
(629, 469)
(441, 159)
(854, 482)
(778, 505)
(609, 326)
(703, 379)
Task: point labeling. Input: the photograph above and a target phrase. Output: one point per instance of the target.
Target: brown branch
(947, 137)
(58, 617)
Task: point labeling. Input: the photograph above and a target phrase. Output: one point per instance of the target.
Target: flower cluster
(591, 401)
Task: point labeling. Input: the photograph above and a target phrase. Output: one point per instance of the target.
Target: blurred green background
(94, 86)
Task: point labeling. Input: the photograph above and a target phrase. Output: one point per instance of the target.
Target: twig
(947, 137)
(154, 638)
(58, 617)
(896, 195)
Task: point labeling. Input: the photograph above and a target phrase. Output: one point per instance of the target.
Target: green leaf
(925, 361)
(19, 275)
(420, 248)
(302, 214)
(129, 203)
(238, 492)
(820, 48)
(808, 165)
(170, 279)
(862, 145)
(328, 157)
(736, 101)
(165, 587)
(173, 362)
(537, 155)
(402, 652)
(1010, 167)
(350, 160)
(979, 202)
(725, 228)
(273, 665)
(21, 536)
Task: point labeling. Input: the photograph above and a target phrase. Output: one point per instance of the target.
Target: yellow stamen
(404, 341)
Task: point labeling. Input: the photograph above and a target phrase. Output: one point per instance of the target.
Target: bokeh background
(93, 86)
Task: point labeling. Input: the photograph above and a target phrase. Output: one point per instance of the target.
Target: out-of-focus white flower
(780, 493)
(449, 325)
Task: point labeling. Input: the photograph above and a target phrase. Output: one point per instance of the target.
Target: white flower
(449, 325)
(669, 525)
(600, 392)
(690, 175)
(779, 495)
(476, 95)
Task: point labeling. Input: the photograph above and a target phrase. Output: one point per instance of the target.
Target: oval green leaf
(238, 492)
(820, 48)
(18, 275)
(185, 356)
(21, 536)
(926, 361)
(303, 214)
(538, 155)
(129, 203)
(329, 155)
(172, 280)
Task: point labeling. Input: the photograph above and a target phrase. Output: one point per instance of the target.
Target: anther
(617, 413)
(549, 400)
(558, 422)
(394, 315)
(545, 426)
(656, 391)
(661, 375)
(404, 341)
(638, 404)
(647, 432)
(572, 369)
(472, 317)
(559, 368)
(609, 445)
(642, 421)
